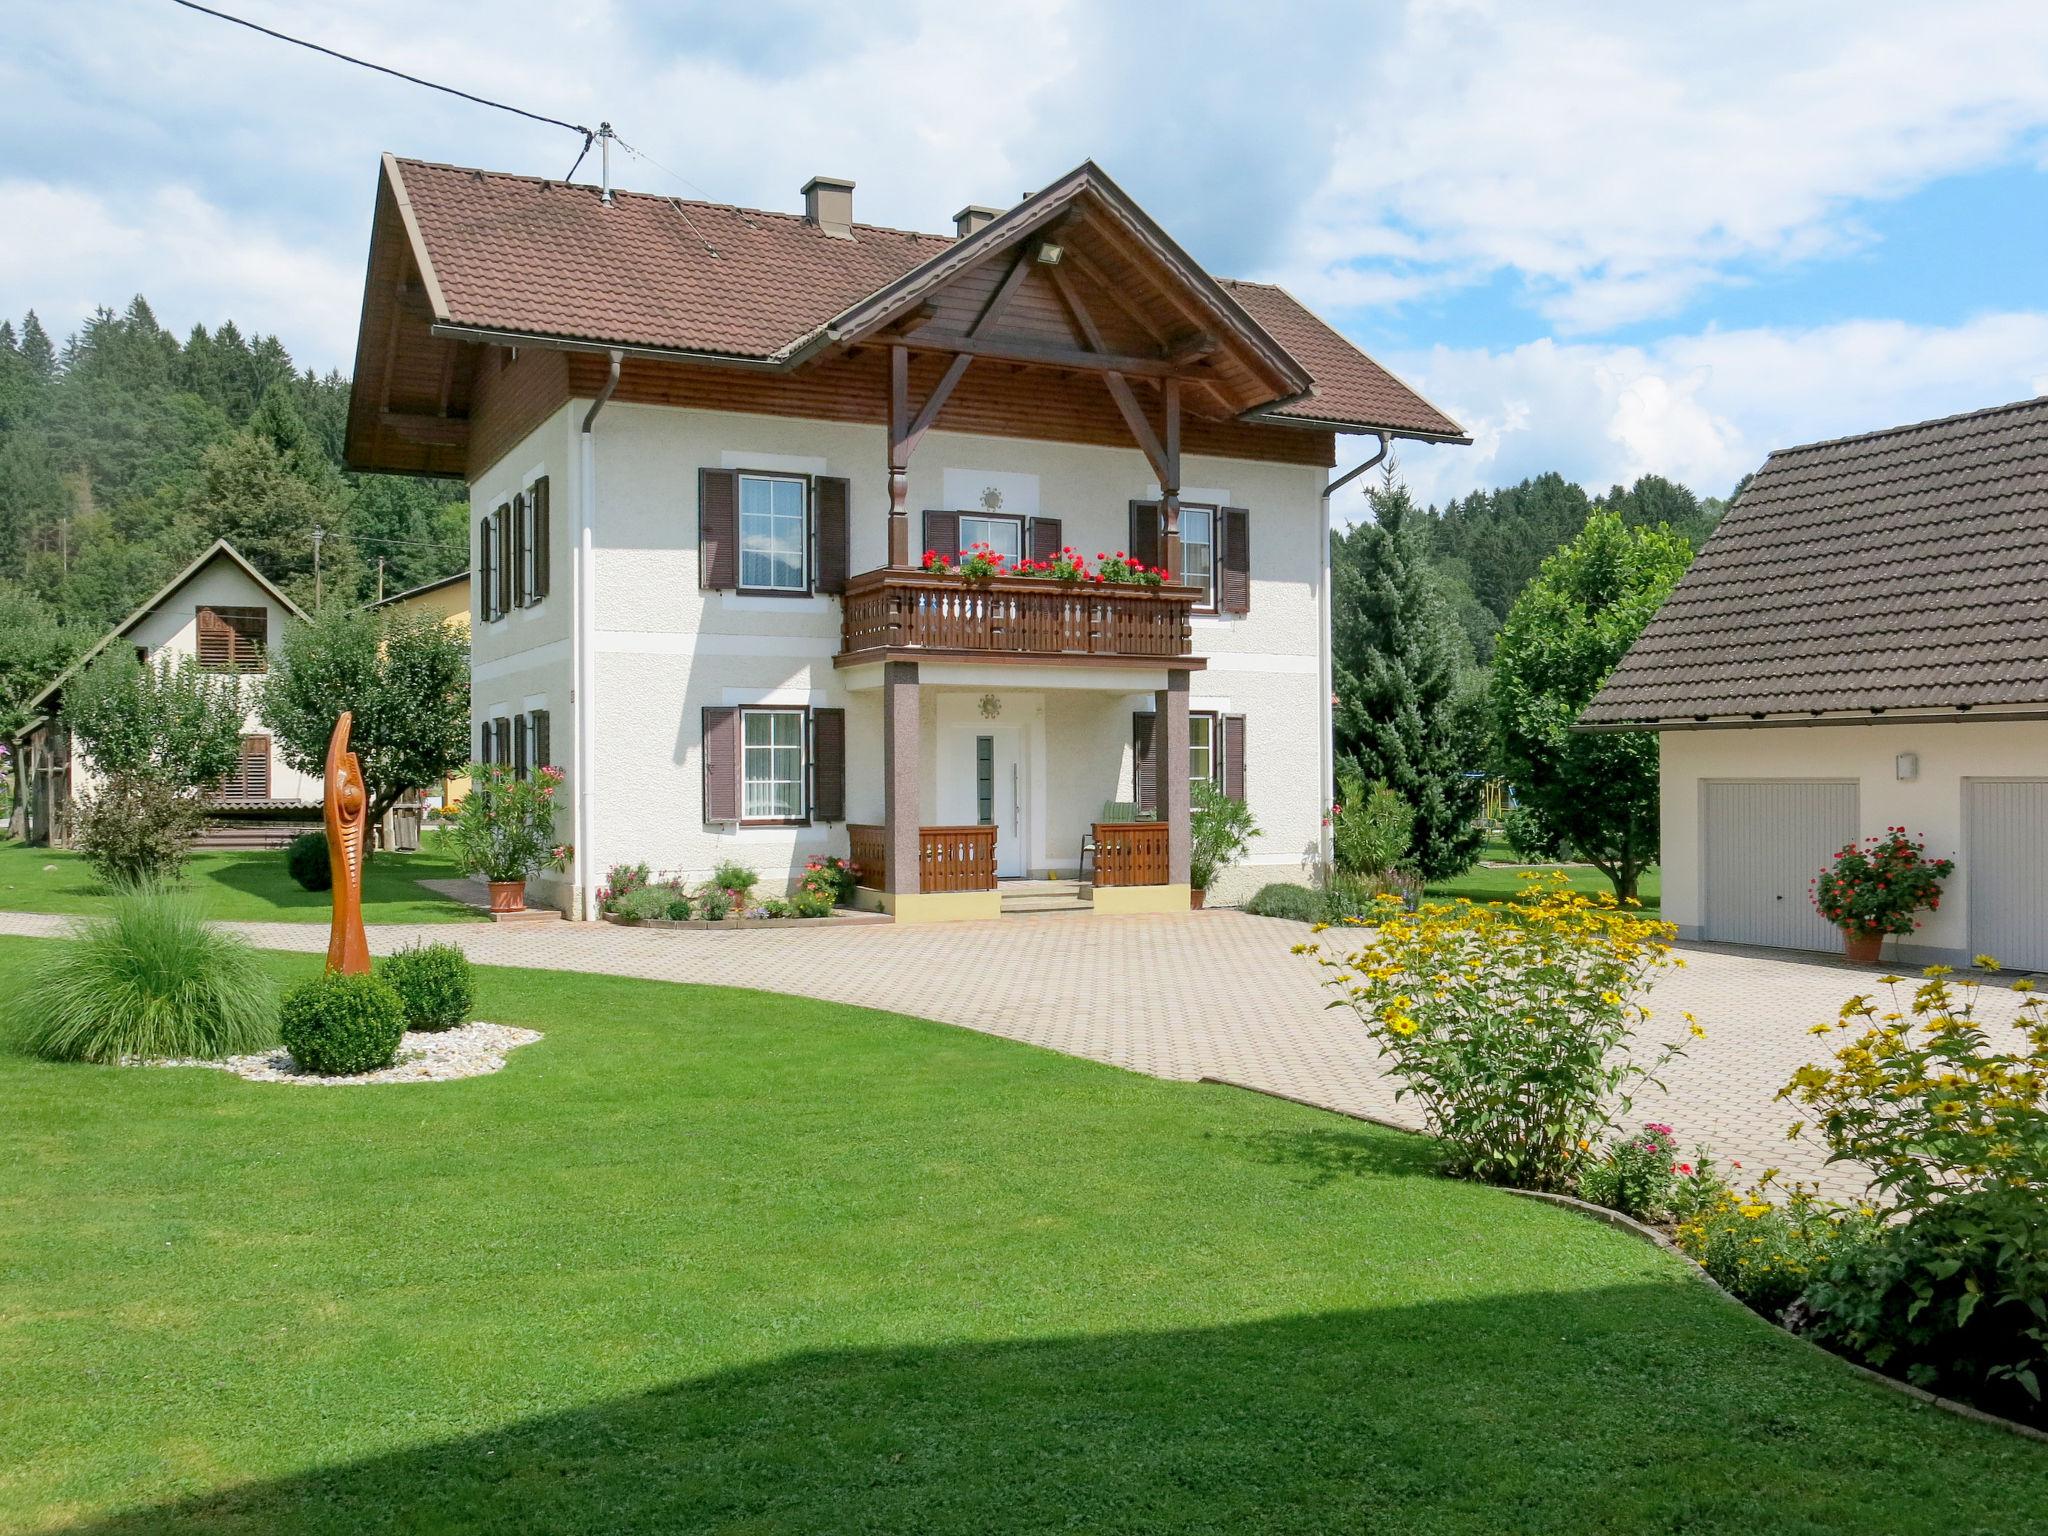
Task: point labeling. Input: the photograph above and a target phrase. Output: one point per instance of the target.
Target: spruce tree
(1398, 651)
(36, 349)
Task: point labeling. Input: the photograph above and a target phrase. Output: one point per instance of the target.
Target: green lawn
(241, 884)
(713, 1260)
(1482, 883)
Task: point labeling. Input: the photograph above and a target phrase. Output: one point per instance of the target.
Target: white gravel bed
(470, 1050)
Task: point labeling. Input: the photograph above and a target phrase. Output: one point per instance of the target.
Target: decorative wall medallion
(991, 500)
(991, 706)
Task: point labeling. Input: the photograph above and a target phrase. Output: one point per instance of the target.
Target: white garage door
(2006, 870)
(1763, 842)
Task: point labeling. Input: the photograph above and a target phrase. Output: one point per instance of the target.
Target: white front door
(981, 783)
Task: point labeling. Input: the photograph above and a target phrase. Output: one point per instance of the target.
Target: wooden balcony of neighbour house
(900, 615)
(948, 858)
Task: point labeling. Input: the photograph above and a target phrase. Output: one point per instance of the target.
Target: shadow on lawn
(1325, 1156)
(1645, 1407)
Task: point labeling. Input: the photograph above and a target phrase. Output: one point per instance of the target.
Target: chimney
(828, 203)
(973, 217)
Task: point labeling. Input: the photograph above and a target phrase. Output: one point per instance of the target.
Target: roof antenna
(604, 135)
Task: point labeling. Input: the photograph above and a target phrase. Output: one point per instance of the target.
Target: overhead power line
(399, 74)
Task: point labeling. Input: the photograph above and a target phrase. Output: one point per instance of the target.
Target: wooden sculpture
(347, 810)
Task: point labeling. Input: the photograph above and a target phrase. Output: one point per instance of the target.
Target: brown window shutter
(543, 748)
(501, 741)
(216, 641)
(501, 567)
(718, 529)
(539, 493)
(520, 597)
(941, 535)
(1042, 538)
(483, 741)
(828, 765)
(1233, 756)
(1145, 761)
(829, 509)
(519, 731)
(480, 578)
(1147, 535)
(721, 763)
(1234, 591)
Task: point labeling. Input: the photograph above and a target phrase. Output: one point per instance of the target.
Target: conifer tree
(36, 349)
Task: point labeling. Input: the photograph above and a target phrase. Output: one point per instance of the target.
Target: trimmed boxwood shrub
(339, 1025)
(434, 983)
(306, 857)
(1281, 899)
(149, 978)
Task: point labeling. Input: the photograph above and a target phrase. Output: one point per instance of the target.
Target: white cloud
(195, 262)
(1705, 408)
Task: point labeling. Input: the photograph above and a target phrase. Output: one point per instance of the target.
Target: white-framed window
(1205, 761)
(1005, 535)
(771, 765)
(1198, 553)
(772, 534)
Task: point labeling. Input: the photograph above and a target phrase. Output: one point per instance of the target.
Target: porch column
(1170, 705)
(902, 773)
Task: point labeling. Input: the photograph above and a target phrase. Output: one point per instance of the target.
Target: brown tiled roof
(1905, 569)
(525, 256)
(1350, 388)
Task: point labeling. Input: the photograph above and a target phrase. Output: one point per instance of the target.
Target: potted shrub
(1874, 889)
(1221, 830)
(505, 832)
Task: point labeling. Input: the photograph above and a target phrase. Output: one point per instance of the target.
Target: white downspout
(582, 644)
(1326, 661)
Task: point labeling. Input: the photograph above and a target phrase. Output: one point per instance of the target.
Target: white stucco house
(709, 450)
(1862, 644)
(224, 613)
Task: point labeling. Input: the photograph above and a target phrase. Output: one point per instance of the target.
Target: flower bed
(632, 896)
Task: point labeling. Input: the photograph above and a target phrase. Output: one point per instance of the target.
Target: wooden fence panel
(1130, 853)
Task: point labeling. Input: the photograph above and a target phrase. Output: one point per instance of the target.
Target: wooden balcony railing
(948, 858)
(1130, 853)
(892, 610)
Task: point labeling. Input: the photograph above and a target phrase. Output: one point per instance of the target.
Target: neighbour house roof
(220, 549)
(1900, 570)
(521, 260)
(421, 590)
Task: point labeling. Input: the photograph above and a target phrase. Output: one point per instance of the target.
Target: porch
(1128, 873)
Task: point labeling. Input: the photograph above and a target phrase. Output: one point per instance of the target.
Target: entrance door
(2006, 870)
(1763, 843)
(982, 784)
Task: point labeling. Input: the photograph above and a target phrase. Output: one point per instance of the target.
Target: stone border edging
(1651, 1235)
(750, 924)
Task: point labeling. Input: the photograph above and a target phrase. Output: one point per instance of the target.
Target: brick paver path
(1213, 994)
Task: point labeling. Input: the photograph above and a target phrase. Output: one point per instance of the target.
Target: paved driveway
(1212, 994)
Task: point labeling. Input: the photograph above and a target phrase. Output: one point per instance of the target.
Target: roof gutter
(1962, 715)
(583, 646)
(1325, 661)
(492, 337)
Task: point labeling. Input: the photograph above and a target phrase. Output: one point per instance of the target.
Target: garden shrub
(1220, 829)
(832, 876)
(806, 902)
(647, 903)
(1299, 903)
(435, 984)
(506, 828)
(138, 828)
(305, 856)
(620, 881)
(1952, 1121)
(149, 978)
(714, 902)
(1531, 839)
(1370, 829)
(679, 905)
(339, 1025)
(1763, 1250)
(1636, 1173)
(1509, 1022)
(774, 906)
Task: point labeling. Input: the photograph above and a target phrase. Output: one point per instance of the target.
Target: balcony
(906, 614)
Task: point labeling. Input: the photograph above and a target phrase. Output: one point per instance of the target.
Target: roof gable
(220, 549)
(1904, 569)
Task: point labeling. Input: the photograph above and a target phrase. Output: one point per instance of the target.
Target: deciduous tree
(166, 720)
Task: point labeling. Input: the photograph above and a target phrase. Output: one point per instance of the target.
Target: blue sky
(1610, 239)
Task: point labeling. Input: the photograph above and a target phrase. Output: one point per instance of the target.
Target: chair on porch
(1112, 810)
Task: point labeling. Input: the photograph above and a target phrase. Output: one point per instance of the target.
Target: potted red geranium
(1873, 889)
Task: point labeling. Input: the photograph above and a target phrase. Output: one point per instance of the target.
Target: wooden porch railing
(1130, 853)
(948, 858)
(888, 610)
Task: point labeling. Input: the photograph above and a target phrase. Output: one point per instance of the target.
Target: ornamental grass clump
(1510, 1023)
(1949, 1113)
(149, 979)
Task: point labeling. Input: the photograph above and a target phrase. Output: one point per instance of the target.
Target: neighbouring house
(1862, 644)
(708, 449)
(222, 611)
(445, 601)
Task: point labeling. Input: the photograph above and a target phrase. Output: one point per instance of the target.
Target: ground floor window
(772, 764)
(1205, 757)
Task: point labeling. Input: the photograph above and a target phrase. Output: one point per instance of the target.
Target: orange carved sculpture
(348, 811)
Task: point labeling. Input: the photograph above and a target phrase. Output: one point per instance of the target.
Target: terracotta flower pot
(1862, 947)
(508, 895)
(1195, 895)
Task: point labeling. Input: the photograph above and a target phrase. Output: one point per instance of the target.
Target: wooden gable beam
(1137, 316)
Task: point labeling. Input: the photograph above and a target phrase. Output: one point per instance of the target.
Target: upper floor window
(1004, 535)
(1198, 553)
(772, 542)
(232, 639)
